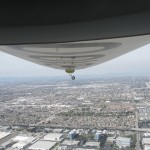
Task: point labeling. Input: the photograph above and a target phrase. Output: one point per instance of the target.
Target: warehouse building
(42, 145)
(70, 143)
(146, 135)
(146, 141)
(4, 134)
(23, 141)
(58, 130)
(146, 147)
(95, 145)
(53, 137)
(120, 141)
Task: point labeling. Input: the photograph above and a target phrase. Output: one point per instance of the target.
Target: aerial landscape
(90, 113)
(75, 75)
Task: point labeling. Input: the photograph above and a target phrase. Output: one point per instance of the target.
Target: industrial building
(42, 145)
(123, 142)
(4, 134)
(58, 130)
(120, 141)
(70, 143)
(146, 147)
(23, 141)
(146, 141)
(47, 130)
(8, 143)
(146, 135)
(53, 137)
(20, 138)
(92, 145)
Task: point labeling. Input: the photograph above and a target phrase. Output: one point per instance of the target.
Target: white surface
(42, 145)
(4, 134)
(146, 134)
(23, 141)
(146, 147)
(53, 137)
(76, 55)
(19, 145)
(58, 130)
(120, 141)
(96, 144)
(20, 138)
(146, 141)
(70, 142)
(123, 142)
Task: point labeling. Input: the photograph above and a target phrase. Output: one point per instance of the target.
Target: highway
(82, 127)
(137, 132)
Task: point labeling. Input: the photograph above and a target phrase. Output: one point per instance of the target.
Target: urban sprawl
(109, 113)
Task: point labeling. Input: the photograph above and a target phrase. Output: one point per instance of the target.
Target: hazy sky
(135, 62)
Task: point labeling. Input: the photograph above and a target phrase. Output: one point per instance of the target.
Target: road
(137, 132)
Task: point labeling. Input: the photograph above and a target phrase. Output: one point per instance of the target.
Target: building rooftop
(4, 134)
(92, 144)
(58, 130)
(120, 141)
(19, 145)
(24, 142)
(42, 145)
(146, 147)
(70, 142)
(7, 143)
(53, 136)
(20, 138)
(146, 134)
(146, 141)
